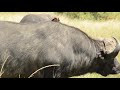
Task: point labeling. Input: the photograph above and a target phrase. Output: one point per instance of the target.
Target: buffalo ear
(102, 52)
(101, 55)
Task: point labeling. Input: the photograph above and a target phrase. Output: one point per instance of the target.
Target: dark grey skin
(32, 18)
(28, 47)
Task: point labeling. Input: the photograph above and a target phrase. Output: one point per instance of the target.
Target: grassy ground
(95, 29)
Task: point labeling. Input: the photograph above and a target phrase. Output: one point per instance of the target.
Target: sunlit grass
(95, 29)
(95, 75)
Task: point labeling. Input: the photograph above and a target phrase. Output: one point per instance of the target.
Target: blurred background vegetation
(92, 15)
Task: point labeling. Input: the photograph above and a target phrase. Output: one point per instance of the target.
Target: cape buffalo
(32, 18)
(24, 48)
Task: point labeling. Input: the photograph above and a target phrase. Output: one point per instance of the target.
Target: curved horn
(116, 50)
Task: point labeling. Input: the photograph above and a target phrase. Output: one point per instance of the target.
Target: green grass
(95, 29)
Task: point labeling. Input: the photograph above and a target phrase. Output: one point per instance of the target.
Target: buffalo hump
(32, 18)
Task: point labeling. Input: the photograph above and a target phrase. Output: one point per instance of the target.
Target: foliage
(92, 15)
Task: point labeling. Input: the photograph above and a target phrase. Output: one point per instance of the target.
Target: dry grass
(17, 16)
(95, 75)
(95, 29)
(5, 58)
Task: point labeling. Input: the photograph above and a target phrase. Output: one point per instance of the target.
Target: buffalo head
(107, 62)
